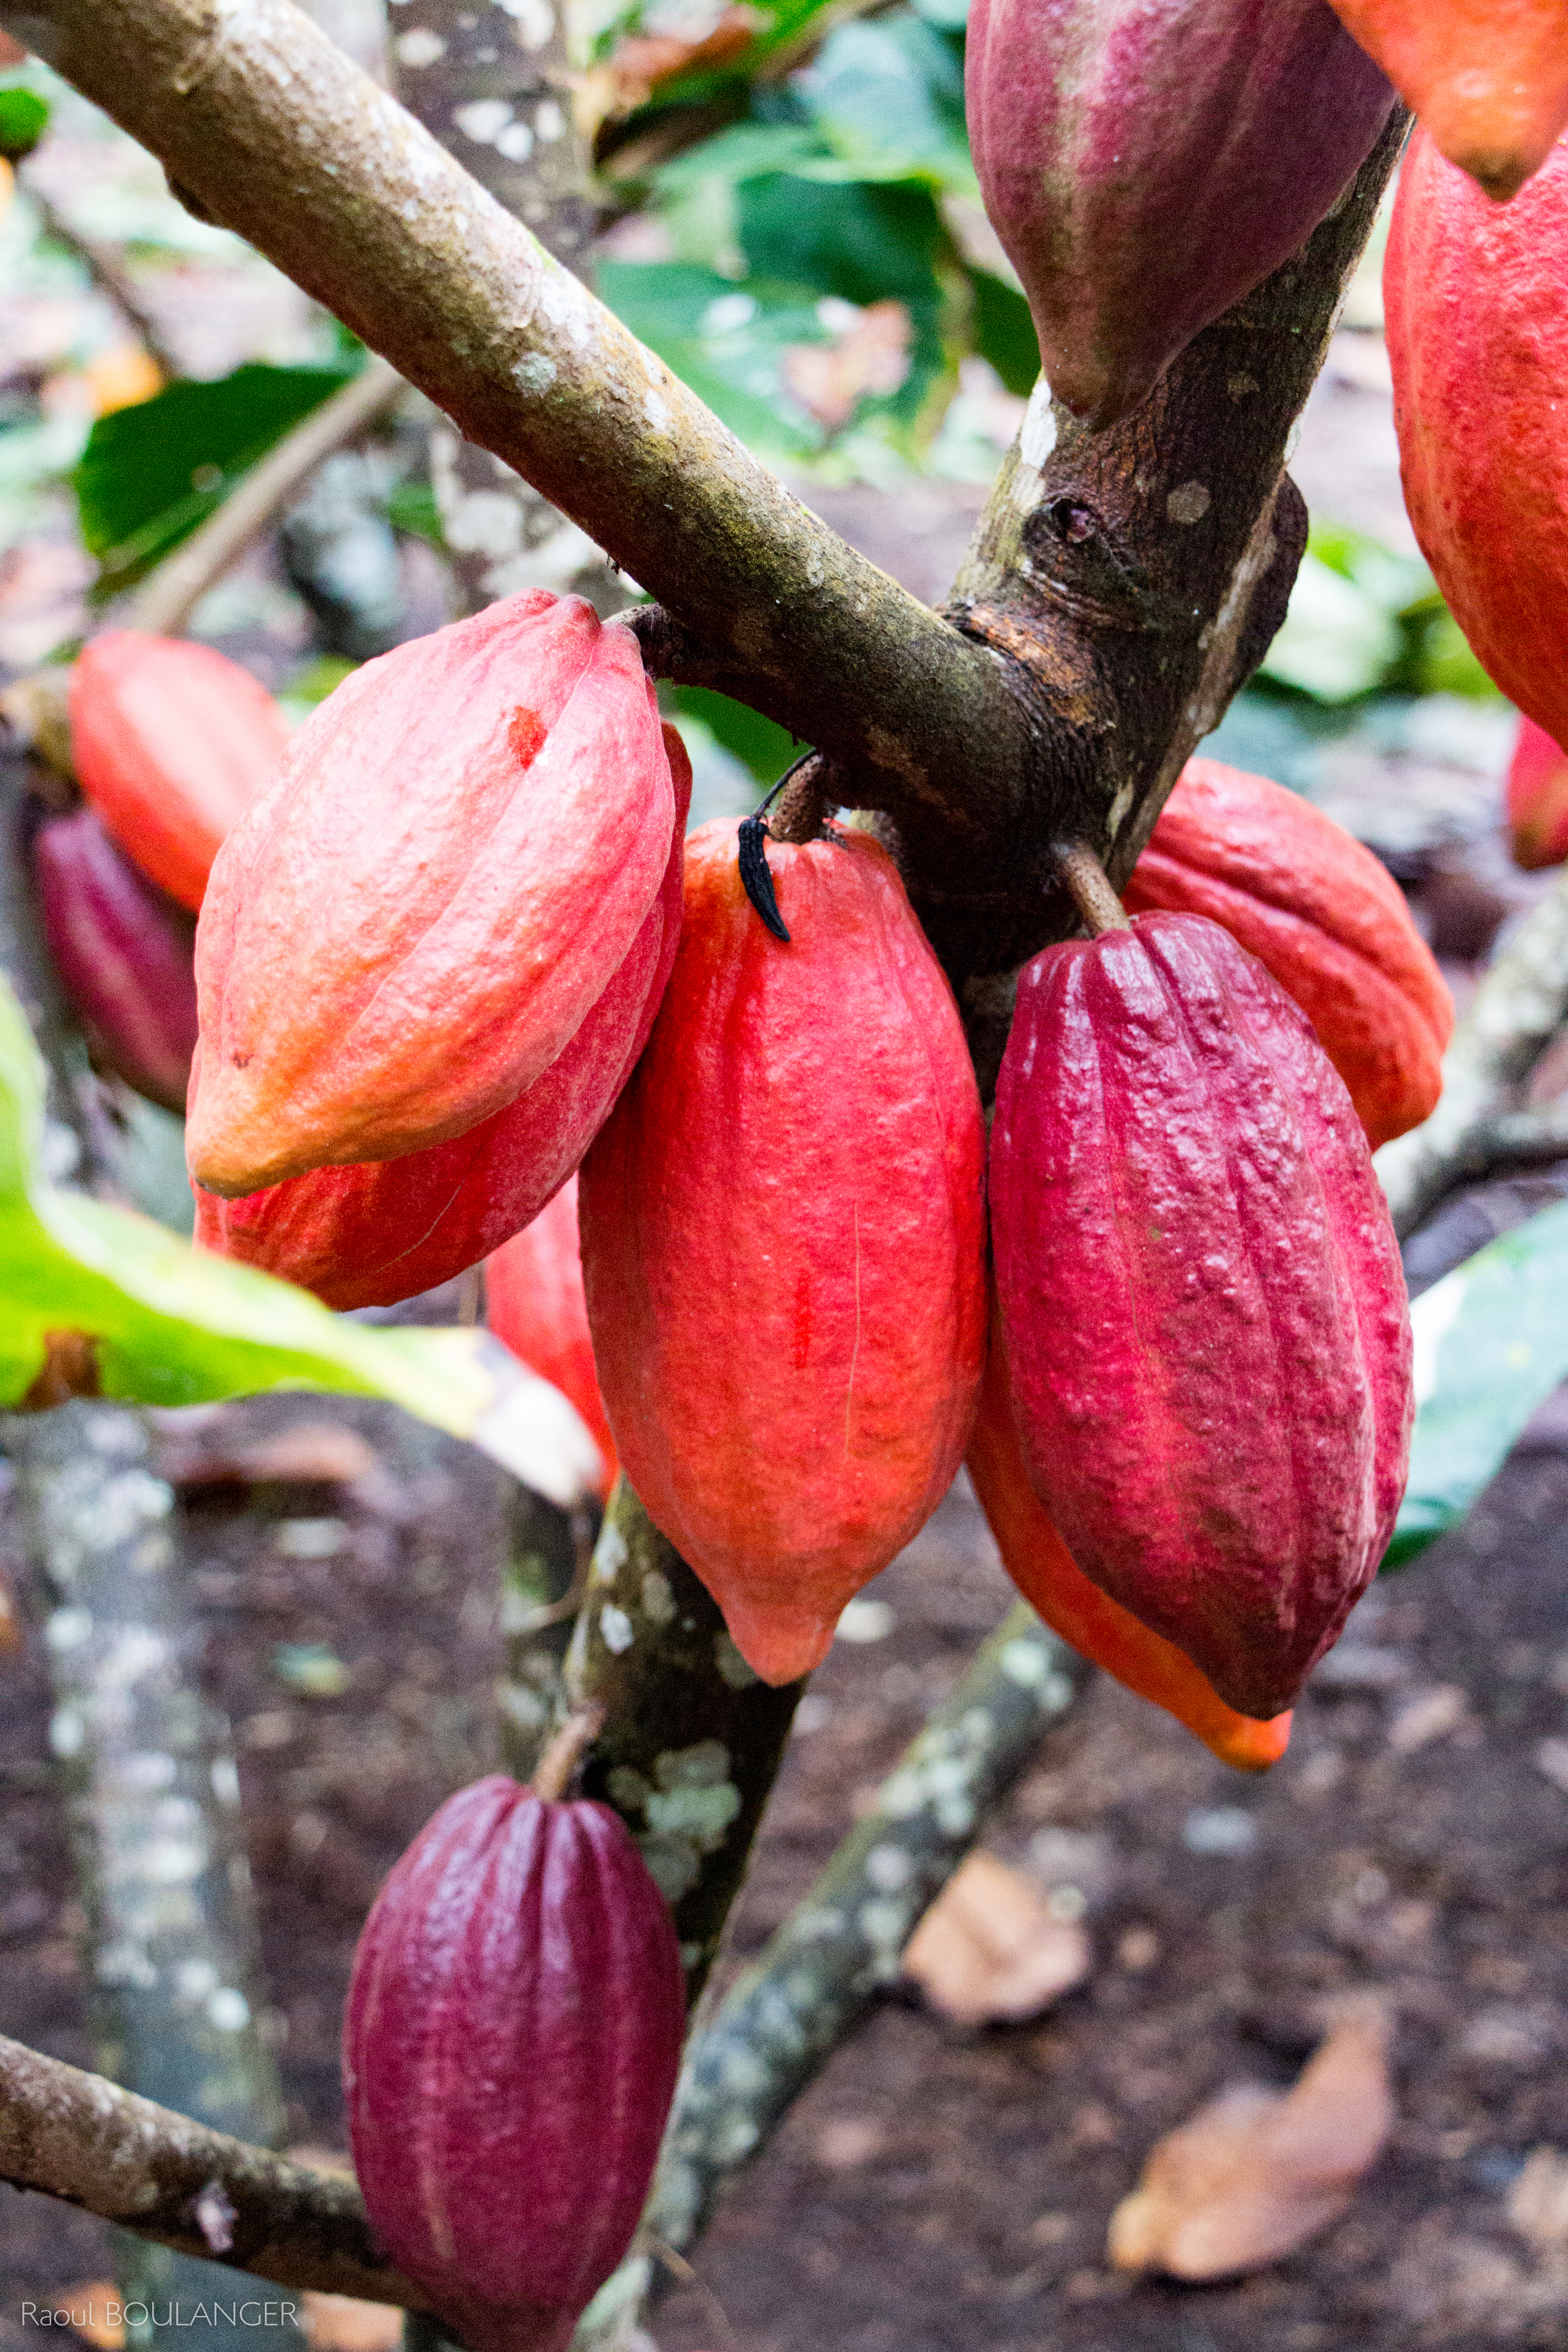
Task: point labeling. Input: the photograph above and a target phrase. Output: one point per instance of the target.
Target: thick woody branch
(282, 139)
(82, 2138)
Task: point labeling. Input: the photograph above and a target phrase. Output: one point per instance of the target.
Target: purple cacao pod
(124, 953)
(1202, 1300)
(1148, 163)
(510, 2044)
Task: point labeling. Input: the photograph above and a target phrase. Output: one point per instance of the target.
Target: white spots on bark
(1189, 503)
(535, 374)
(615, 1630)
(419, 48)
(534, 19)
(1038, 434)
(549, 122)
(482, 119)
(658, 1596)
(655, 409)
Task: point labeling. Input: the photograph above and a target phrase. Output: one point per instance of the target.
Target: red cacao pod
(1099, 1628)
(171, 742)
(1477, 301)
(535, 1302)
(1487, 77)
(511, 2043)
(371, 1234)
(1327, 918)
(1202, 1300)
(124, 955)
(1537, 799)
(1147, 165)
(782, 1238)
(414, 920)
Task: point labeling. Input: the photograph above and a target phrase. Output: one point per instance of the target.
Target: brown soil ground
(941, 2191)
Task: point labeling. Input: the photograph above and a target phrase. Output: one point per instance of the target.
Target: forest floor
(940, 2190)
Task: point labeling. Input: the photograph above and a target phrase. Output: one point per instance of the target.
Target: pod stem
(1091, 894)
(557, 1768)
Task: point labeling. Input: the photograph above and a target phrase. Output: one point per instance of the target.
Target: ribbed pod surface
(1202, 1300)
(783, 1242)
(511, 2043)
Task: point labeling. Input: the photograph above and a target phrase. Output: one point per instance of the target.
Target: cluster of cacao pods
(168, 740)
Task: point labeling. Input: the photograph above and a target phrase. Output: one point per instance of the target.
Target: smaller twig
(81, 2138)
(1515, 1013)
(802, 801)
(164, 604)
(557, 1768)
(1518, 1135)
(108, 274)
(1091, 894)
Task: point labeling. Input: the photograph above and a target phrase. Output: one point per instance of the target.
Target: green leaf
(173, 1324)
(150, 474)
(758, 743)
(1337, 641)
(727, 341)
(889, 96)
(1491, 1344)
(1005, 332)
(23, 119)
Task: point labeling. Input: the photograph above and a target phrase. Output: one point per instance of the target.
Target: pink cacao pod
(124, 955)
(1537, 799)
(784, 1242)
(1148, 163)
(371, 1234)
(511, 2045)
(535, 1303)
(1202, 1300)
(413, 921)
(170, 741)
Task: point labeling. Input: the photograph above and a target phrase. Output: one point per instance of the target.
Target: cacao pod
(535, 1302)
(415, 918)
(1537, 799)
(124, 954)
(1099, 1628)
(1327, 918)
(1487, 77)
(371, 1234)
(1476, 302)
(783, 1239)
(1147, 165)
(511, 2043)
(1201, 1298)
(170, 741)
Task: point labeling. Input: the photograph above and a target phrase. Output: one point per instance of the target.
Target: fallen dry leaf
(342, 2322)
(871, 356)
(309, 1452)
(637, 64)
(992, 1950)
(90, 2307)
(1537, 2201)
(1255, 2173)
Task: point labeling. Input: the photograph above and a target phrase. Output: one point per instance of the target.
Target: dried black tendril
(755, 879)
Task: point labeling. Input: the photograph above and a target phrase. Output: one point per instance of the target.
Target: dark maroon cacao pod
(124, 954)
(511, 2043)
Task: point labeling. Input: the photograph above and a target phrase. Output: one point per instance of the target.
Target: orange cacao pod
(171, 742)
(535, 1300)
(1099, 1628)
(782, 1238)
(510, 2043)
(1325, 915)
(1477, 299)
(386, 1229)
(411, 922)
(1201, 1298)
(1537, 799)
(1487, 77)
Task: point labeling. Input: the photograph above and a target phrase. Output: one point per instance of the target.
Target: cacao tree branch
(1519, 1008)
(781, 2019)
(80, 2137)
(691, 1738)
(165, 604)
(281, 138)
